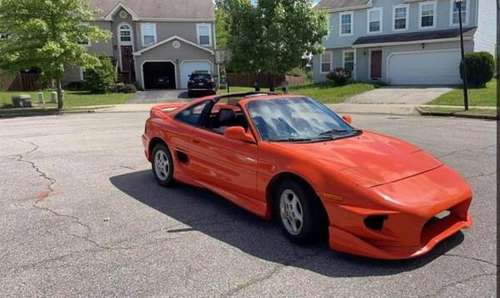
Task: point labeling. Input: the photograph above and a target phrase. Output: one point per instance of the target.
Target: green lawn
(72, 98)
(324, 92)
(477, 96)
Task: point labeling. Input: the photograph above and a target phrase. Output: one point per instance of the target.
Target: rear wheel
(163, 166)
(299, 214)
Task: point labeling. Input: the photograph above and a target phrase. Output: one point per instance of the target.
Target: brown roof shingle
(160, 9)
(336, 4)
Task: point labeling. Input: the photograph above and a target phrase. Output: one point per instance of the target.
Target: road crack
(458, 282)
(258, 279)
(50, 180)
(472, 259)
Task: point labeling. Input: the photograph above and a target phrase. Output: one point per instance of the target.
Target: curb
(13, 113)
(34, 112)
(459, 114)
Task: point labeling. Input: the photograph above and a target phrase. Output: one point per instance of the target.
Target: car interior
(225, 115)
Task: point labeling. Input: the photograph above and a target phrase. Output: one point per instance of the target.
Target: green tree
(273, 35)
(101, 77)
(47, 35)
(222, 23)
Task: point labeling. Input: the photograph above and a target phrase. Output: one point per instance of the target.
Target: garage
(188, 67)
(424, 68)
(159, 75)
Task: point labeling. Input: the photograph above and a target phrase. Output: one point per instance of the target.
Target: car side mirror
(347, 119)
(238, 133)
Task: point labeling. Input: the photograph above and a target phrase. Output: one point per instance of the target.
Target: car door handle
(196, 141)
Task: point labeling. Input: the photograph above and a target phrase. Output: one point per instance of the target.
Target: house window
(148, 34)
(204, 34)
(349, 61)
(427, 15)
(400, 17)
(125, 34)
(326, 62)
(454, 11)
(346, 23)
(375, 20)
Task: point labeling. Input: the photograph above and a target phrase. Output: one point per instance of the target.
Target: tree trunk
(256, 84)
(271, 82)
(60, 95)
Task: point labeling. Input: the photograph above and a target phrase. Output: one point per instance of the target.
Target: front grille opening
(375, 222)
(441, 215)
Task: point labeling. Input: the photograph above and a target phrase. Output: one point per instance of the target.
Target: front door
(128, 63)
(376, 65)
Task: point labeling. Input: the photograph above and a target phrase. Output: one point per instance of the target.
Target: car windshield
(297, 119)
(200, 76)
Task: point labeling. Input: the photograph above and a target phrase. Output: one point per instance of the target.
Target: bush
(480, 68)
(76, 86)
(297, 72)
(129, 88)
(124, 88)
(340, 76)
(102, 77)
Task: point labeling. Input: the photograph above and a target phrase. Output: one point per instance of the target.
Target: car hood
(369, 159)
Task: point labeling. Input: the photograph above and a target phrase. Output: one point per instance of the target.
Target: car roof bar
(244, 94)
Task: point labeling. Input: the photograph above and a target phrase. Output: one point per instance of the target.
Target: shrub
(102, 77)
(297, 72)
(340, 76)
(76, 86)
(480, 68)
(129, 88)
(124, 88)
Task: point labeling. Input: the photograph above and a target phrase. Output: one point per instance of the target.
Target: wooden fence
(248, 80)
(26, 82)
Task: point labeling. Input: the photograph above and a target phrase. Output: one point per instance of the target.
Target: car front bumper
(414, 218)
(344, 241)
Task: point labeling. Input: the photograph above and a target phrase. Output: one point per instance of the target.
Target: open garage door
(187, 68)
(159, 75)
(425, 68)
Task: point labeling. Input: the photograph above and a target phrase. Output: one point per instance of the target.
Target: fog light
(375, 222)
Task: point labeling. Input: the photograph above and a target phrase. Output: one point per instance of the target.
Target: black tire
(190, 94)
(166, 178)
(313, 224)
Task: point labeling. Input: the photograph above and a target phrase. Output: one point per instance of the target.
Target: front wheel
(163, 166)
(299, 215)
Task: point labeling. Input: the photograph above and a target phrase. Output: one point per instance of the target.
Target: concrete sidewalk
(390, 109)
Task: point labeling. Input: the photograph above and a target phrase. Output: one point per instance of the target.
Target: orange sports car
(292, 158)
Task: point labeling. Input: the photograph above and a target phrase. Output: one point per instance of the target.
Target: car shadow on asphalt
(202, 211)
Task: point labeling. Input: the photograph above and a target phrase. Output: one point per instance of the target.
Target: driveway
(390, 100)
(81, 215)
(399, 95)
(158, 96)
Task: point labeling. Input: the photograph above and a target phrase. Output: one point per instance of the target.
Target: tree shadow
(203, 211)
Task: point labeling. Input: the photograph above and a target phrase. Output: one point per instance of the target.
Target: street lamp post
(464, 67)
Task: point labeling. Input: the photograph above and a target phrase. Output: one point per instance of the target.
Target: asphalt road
(81, 215)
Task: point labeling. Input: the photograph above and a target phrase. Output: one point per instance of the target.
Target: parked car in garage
(163, 82)
(201, 83)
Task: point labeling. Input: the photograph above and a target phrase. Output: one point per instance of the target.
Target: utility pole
(459, 3)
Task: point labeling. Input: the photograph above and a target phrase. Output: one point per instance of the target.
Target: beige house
(155, 38)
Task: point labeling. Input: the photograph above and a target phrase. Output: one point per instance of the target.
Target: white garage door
(425, 68)
(187, 68)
